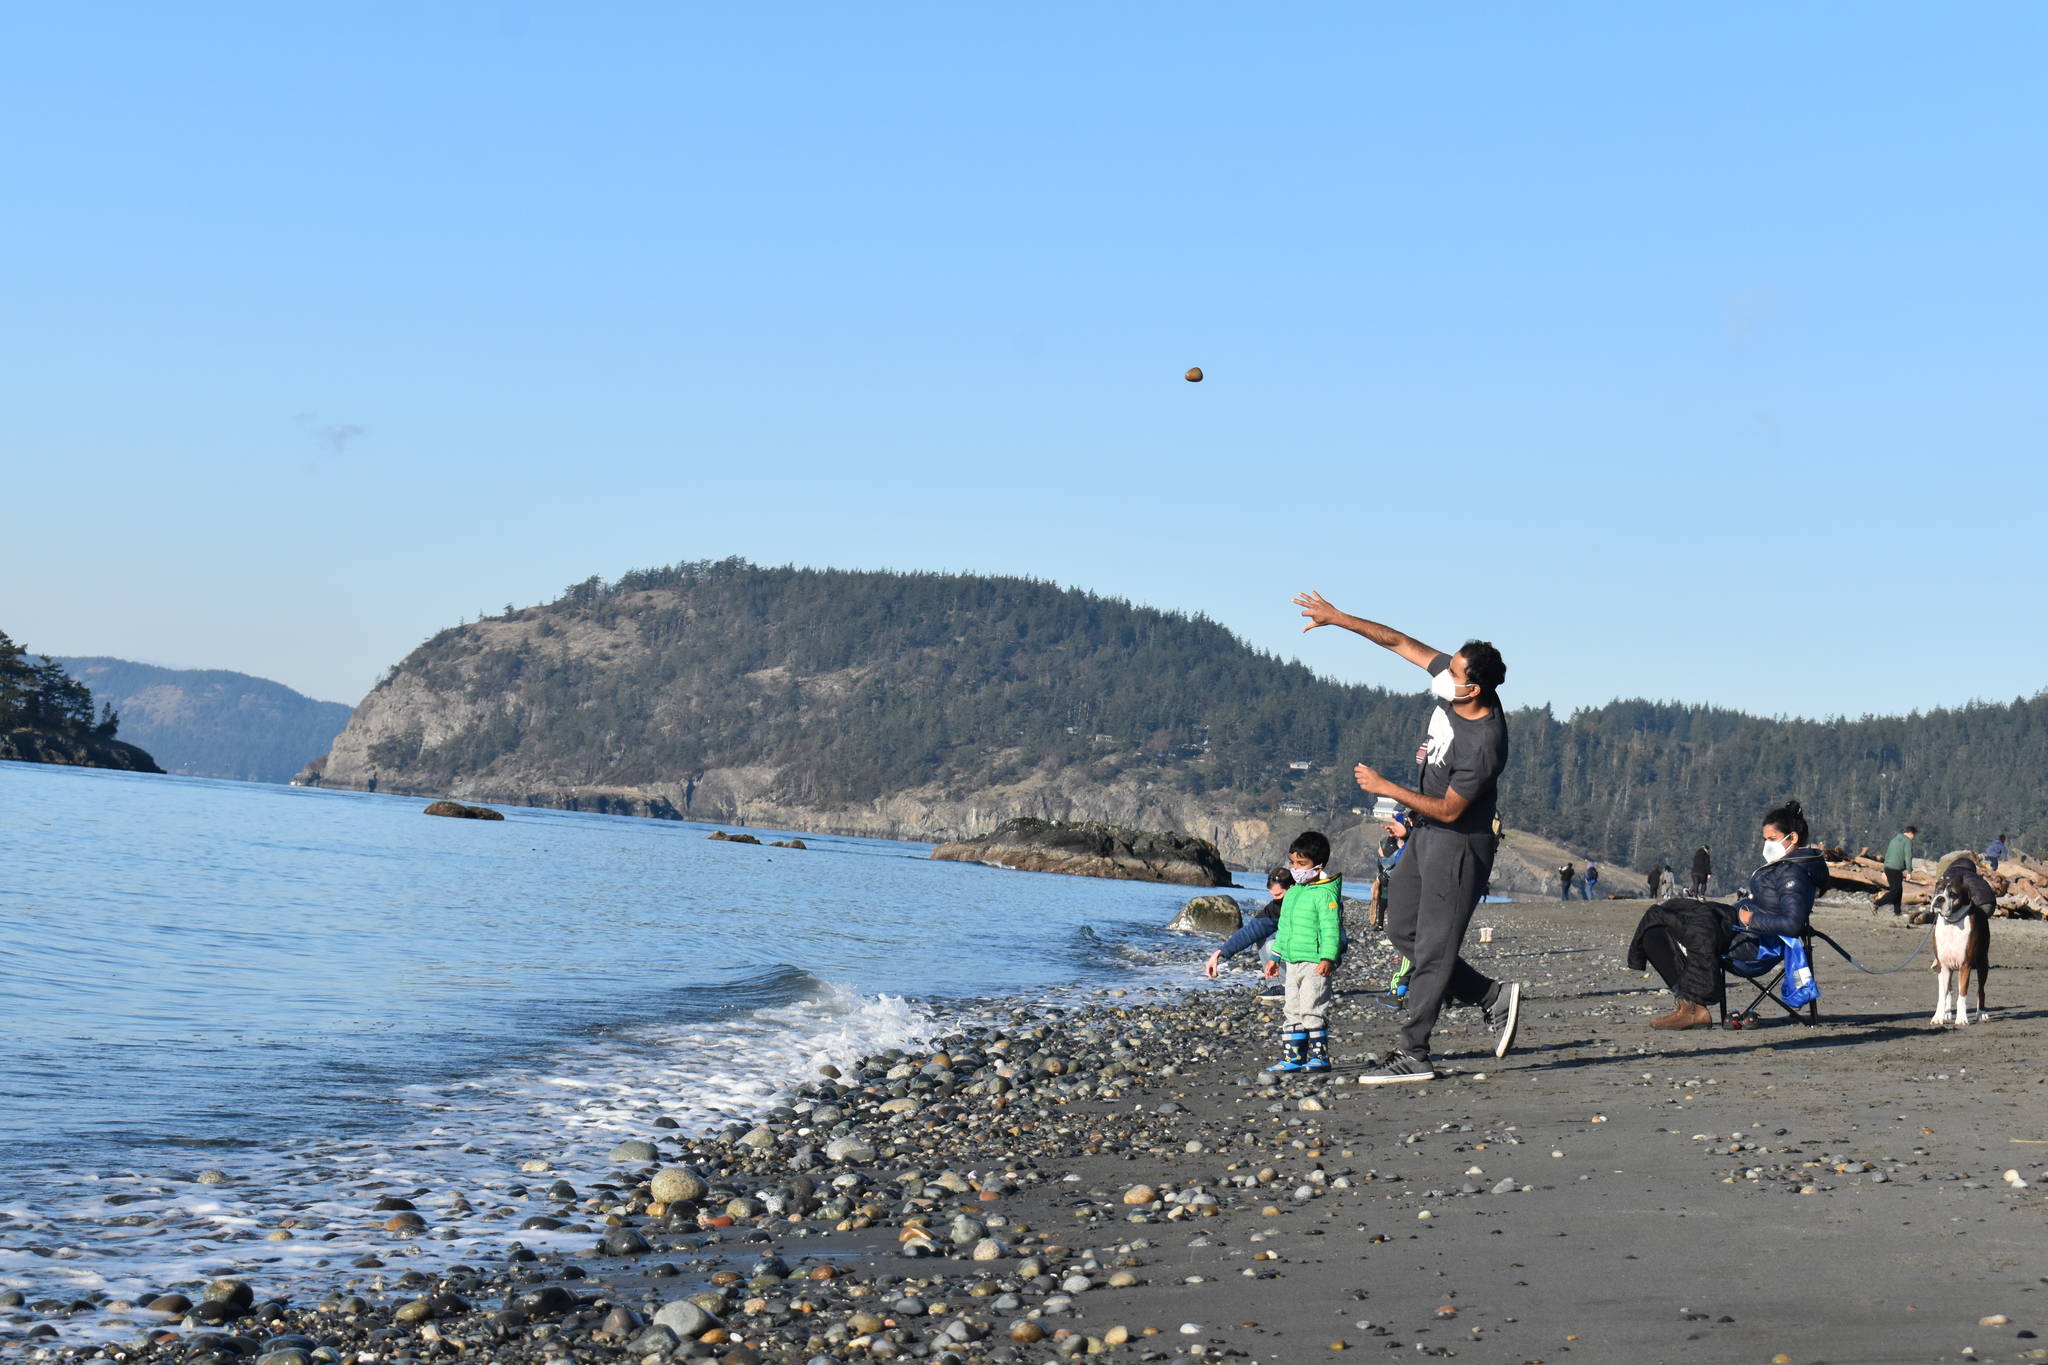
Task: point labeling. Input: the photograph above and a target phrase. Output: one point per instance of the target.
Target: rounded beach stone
(856, 1150)
(684, 1318)
(678, 1185)
(633, 1150)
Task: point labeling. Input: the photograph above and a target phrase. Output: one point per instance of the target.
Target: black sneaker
(1397, 1067)
(1505, 1014)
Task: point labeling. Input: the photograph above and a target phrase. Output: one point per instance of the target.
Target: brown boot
(1686, 1015)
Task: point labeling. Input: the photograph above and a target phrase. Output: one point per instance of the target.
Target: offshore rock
(1093, 849)
(1210, 915)
(457, 811)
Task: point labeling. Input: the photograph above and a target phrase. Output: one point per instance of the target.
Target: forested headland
(871, 701)
(47, 716)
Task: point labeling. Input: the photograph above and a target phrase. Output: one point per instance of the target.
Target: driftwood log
(2021, 884)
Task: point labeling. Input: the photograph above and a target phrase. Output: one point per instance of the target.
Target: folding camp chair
(1766, 975)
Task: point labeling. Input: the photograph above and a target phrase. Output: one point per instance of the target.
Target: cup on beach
(1486, 933)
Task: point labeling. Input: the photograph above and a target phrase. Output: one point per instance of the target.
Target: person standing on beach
(1307, 946)
(1995, 853)
(1450, 855)
(1656, 878)
(1702, 872)
(1592, 879)
(1566, 875)
(1898, 861)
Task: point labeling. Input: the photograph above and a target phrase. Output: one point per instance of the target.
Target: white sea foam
(127, 1232)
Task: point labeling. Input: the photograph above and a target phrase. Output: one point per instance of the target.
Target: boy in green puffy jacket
(1306, 948)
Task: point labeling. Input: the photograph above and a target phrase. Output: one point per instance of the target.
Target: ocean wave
(131, 1230)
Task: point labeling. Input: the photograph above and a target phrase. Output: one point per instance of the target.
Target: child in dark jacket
(1257, 932)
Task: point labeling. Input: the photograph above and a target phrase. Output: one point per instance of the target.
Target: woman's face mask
(1775, 849)
(1445, 688)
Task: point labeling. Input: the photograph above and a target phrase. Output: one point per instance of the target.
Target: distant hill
(211, 722)
(937, 705)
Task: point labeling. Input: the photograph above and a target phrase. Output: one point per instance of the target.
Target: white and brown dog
(1962, 944)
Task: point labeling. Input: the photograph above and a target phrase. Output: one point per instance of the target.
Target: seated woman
(1685, 940)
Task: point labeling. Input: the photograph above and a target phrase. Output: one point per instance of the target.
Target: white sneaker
(1506, 1015)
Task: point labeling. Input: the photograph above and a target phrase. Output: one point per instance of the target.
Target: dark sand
(1643, 1235)
(1605, 1193)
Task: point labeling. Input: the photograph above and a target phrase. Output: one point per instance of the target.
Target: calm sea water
(328, 996)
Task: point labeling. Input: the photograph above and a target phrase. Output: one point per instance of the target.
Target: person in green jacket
(1306, 948)
(1898, 861)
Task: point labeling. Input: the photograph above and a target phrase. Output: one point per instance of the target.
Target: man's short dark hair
(1312, 846)
(1912, 829)
(1483, 664)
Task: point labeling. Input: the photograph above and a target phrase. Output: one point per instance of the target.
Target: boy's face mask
(1305, 874)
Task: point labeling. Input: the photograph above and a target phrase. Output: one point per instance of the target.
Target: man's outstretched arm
(1320, 613)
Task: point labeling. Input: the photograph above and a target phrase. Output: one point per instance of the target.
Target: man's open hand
(1318, 611)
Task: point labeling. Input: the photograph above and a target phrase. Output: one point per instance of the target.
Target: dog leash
(1874, 971)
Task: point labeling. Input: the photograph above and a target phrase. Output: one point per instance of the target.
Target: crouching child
(1306, 949)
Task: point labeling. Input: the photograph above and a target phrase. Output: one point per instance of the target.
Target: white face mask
(1305, 874)
(1774, 850)
(1444, 687)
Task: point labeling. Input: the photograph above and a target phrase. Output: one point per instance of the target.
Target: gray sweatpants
(1307, 1005)
(1435, 888)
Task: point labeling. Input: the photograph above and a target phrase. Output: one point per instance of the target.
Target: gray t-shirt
(1465, 756)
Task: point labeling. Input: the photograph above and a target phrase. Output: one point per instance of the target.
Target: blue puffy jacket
(1781, 894)
(1256, 930)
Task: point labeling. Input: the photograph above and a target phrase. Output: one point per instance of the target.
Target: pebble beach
(1116, 1176)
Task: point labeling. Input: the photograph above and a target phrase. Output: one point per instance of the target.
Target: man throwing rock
(1438, 883)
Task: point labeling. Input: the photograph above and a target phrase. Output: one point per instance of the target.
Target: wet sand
(1606, 1192)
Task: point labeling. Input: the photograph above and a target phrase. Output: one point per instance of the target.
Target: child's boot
(1294, 1051)
(1398, 987)
(1318, 1049)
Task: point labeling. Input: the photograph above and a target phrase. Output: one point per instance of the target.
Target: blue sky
(1689, 353)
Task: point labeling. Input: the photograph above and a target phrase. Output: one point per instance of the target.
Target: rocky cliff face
(441, 703)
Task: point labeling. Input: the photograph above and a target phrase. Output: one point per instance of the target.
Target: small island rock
(456, 810)
(1093, 849)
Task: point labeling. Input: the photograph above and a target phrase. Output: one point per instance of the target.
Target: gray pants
(1307, 1005)
(1429, 906)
